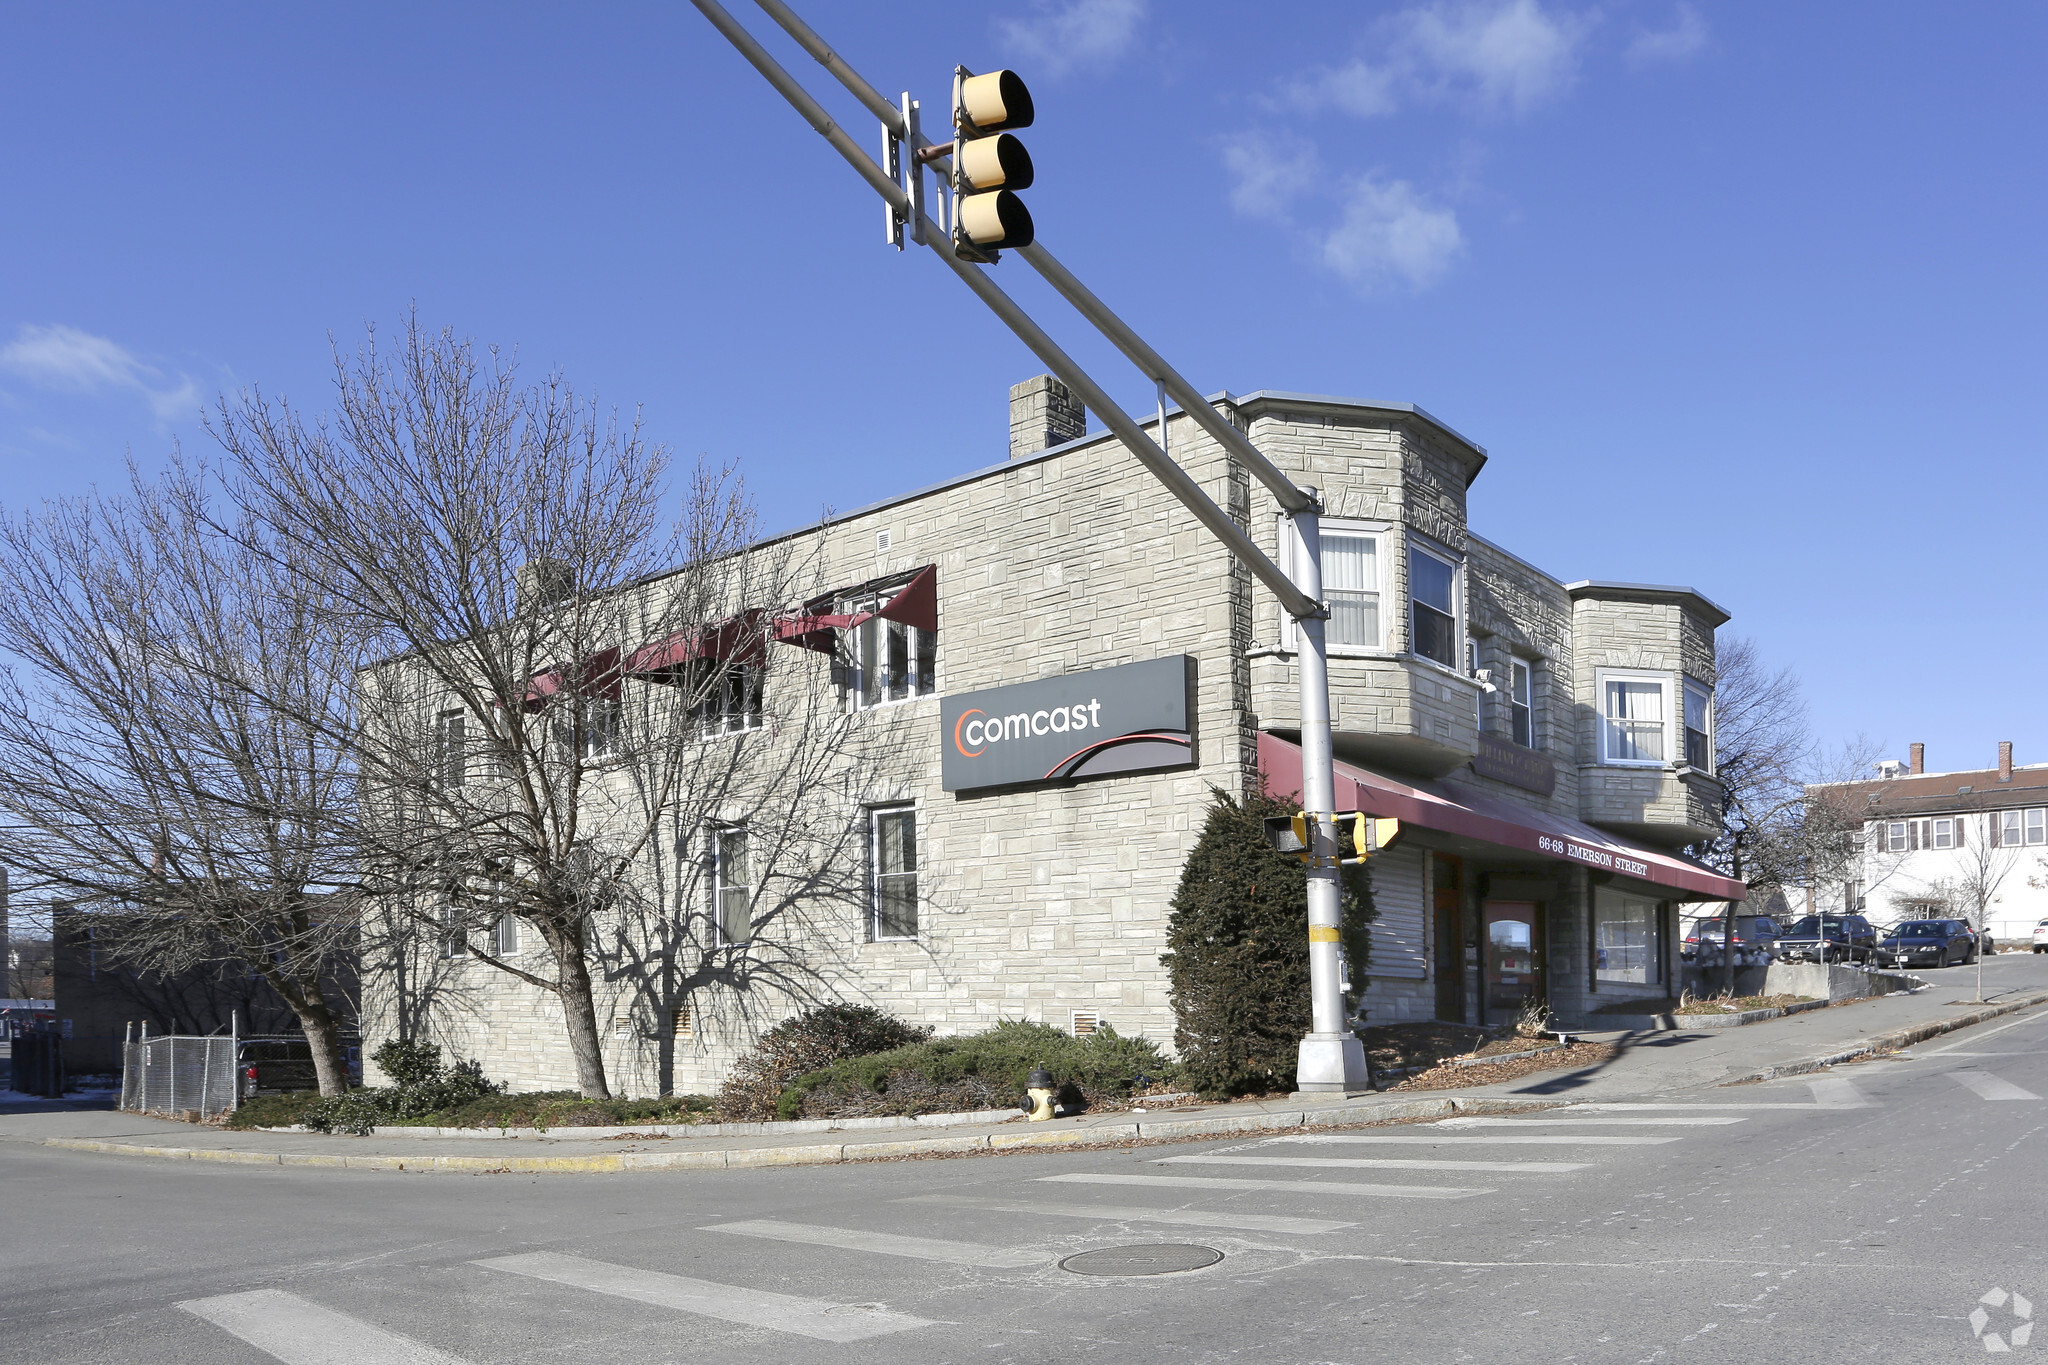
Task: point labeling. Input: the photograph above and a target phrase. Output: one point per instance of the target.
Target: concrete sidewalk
(1652, 1064)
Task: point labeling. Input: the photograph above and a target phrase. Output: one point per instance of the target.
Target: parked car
(2041, 937)
(271, 1066)
(1841, 938)
(1927, 943)
(1752, 933)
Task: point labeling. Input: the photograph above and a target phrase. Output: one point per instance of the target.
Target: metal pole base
(1331, 1063)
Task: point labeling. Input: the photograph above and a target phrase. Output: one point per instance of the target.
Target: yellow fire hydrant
(1040, 1086)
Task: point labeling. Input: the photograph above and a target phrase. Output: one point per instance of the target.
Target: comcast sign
(1128, 719)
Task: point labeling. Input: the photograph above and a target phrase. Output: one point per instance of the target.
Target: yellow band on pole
(1321, 933)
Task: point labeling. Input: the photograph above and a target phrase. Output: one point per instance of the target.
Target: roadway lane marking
(299, 1332)
(1669, 1121)
(1620, 1106)
(814, 1318)
(1499, 1140)
(1124, 1213)
(1315, 1187)
(1386, 1164)
(1990, 1087)
(1837, 1092)
(886, 1244)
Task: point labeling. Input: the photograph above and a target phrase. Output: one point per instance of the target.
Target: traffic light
(989, 164)
(1359, 835)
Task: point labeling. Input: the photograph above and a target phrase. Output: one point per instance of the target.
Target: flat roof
(1591, 587)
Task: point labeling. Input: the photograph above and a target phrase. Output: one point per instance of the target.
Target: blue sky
(1741, 296)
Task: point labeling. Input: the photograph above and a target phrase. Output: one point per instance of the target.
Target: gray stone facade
(1051, 900)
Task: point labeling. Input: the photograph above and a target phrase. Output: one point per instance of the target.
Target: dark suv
(1927, 943)
(1840, 938)
(1754, 935)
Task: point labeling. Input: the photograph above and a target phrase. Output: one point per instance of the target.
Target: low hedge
(978, 1071)
(534, 1109)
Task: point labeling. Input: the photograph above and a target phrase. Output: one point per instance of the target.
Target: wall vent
(686, 1025)
(883, 540)
(1086, 1022)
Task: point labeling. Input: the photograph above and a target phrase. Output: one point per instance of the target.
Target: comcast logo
(2018, 1319)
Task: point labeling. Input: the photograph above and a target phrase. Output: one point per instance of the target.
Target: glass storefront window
(1628, 938)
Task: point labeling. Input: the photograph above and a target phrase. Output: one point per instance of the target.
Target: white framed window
(1522, 703)
(732, 884)
(892, 831)
(725, 696)
(454, 932)
(1895, 836)
(885, 661)
(1699, 731)
(2011, 828)
(1433, 606)
(1943, 835)
(2037, 826)
(1351, 583)
(451, 748)
(1635, 718)
(600, 724)
(505, 935)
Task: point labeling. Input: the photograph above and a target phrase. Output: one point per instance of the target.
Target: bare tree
(517, 562)
(1981, 870)
(168, 750)
(1772, 835)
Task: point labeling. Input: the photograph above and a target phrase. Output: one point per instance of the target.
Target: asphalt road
(1859, 1215)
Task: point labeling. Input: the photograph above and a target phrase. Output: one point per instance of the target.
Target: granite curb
(1888, 1042)
(818, 1154)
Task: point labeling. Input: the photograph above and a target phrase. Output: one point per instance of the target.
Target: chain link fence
(170, 1074)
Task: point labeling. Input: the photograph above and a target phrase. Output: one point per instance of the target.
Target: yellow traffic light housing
(989, 164)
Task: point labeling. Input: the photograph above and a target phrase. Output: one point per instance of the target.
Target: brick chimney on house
(2005, 760)
(1919, 763)
(1043, 413)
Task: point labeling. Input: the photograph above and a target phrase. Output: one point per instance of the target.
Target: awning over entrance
(1450, 808)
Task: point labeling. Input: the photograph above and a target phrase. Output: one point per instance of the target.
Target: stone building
(1028, 682)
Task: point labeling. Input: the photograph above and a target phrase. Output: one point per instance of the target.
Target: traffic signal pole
(1331, 1057)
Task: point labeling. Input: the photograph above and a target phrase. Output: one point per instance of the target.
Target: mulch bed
(1509, 1069)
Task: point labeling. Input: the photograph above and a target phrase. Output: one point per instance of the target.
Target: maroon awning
(595, 675)
(741, 639)
(916, 604)
(1450, 808)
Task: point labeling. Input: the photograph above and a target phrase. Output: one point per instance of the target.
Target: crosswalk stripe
(1662, 1121)
(815, 1318)
(1498, 1140)
(1838, 1092)
(299, 1332)
(886, 1244)
(1316, 1187)
(1385, 1164)
(1124, 1213)
(1991, 1087)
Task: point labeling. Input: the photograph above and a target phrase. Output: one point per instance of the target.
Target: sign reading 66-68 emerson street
(1132, 718)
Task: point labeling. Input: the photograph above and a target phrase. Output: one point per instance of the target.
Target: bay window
(1634, 719)
(1351, 585)
(1699, 744)
(1433, 606)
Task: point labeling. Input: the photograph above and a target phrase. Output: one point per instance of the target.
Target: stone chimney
(2005, 760)
(1043, 413)
(541, 583)
(1919, 763)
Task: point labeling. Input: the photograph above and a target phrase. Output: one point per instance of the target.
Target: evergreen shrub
(806, 1043)
(1237, 951)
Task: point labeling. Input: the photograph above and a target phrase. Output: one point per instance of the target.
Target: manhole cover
(1146, 1260)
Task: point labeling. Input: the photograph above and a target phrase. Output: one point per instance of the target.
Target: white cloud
(1057, 39)
(1268, 174)
(66, 358)
(1389, 232)
(1385, 232)
(1687, 35)
(1495, 54)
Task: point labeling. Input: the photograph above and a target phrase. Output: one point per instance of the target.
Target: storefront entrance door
(1514, 958)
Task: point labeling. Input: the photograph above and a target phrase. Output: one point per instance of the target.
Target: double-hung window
(600, 723)
(893, 900)
(725, 696)
(1634, 719)
(732, 884)
(2037, 826)
(454, 932)
(451, 745)
(887, 661)
(1895, 837)
(1521, 703)
(1943, 835)
(1699, 743)
(1351, 585)
(2011, 828)
(1433, 606)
